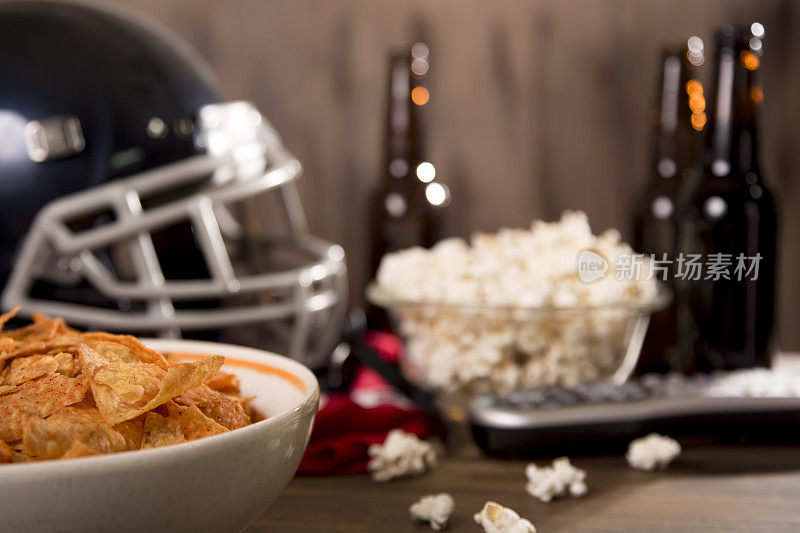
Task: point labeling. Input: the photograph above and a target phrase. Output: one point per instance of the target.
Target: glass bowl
(461, 351)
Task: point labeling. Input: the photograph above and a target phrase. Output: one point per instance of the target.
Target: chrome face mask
(244, 158)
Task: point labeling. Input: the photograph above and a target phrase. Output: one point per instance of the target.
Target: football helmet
(124, 175)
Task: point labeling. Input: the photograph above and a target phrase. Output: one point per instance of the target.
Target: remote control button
(562, 396)
(633, 391)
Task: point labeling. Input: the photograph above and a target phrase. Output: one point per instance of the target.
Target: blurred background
(535, 107)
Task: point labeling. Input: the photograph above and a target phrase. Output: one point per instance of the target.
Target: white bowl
(220, 483)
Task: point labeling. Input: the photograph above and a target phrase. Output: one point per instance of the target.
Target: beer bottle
(678, 119)
(408, 205)
(731, 219)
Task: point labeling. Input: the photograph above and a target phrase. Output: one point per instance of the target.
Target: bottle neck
(734, 133)
(403, 141)
(678, 129)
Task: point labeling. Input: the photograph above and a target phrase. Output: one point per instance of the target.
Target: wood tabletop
(708, 488)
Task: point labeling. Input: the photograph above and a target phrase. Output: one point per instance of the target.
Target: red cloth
(389, 346)
(344, 430)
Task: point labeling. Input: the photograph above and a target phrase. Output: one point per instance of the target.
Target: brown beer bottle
(678, 119)
(731, 218)
(408, 205)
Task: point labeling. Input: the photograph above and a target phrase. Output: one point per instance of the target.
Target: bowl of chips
(102, 432)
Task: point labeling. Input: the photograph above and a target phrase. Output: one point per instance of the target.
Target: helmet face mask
(162, 250)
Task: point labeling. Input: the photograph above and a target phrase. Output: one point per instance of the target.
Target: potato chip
(5, 317)
(54, 436)
(23, 347)
(5, 450)
(10, 348)
(52, 335)
(24, 369)
(120, 389)
(19, 454)
(126, 390)
(6, 345)
(161, 431)
(79, 449)
(66, 363)
(137, 400)
(123, 347)
(39, 397)
(12, 420)
(91, 360)
(43, 328)
(132, 384)
(223, 409)
(194, 424)
(133, 432)
(224, 382)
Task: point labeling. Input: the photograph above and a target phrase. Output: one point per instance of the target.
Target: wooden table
(710, 487)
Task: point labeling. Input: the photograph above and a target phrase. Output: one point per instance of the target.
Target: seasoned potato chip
(224, 382)
(39, 397)
(223, 409)
(161, 431)
(194, 424)
(133, 432)
(43, 328)
(6, 345)
(19, 454)
(66, 394)
(10, 348)
(80, 449)
(123, 347)
(5, 450)
(184, 376)
(5, 317)
(131, 384)
(49, 336)
(14, 453)
(54, 436)
(12, 420)
(24, 369)
(126, 390)
(66, 363)
(47, 328)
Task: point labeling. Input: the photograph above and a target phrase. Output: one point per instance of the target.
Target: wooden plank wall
(537, 105)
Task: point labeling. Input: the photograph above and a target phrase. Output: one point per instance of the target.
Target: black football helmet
(123, 171)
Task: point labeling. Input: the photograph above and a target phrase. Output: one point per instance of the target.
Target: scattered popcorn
(550, 482)
(401, 455)
(435, 509)
(507, 346)
(653, 451)
(756, 383)
(498, 519)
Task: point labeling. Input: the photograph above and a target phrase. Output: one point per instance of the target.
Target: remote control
(756, 404)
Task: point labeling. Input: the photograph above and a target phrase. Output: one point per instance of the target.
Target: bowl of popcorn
(520, 308)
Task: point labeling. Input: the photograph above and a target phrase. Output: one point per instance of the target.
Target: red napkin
(344, 430)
